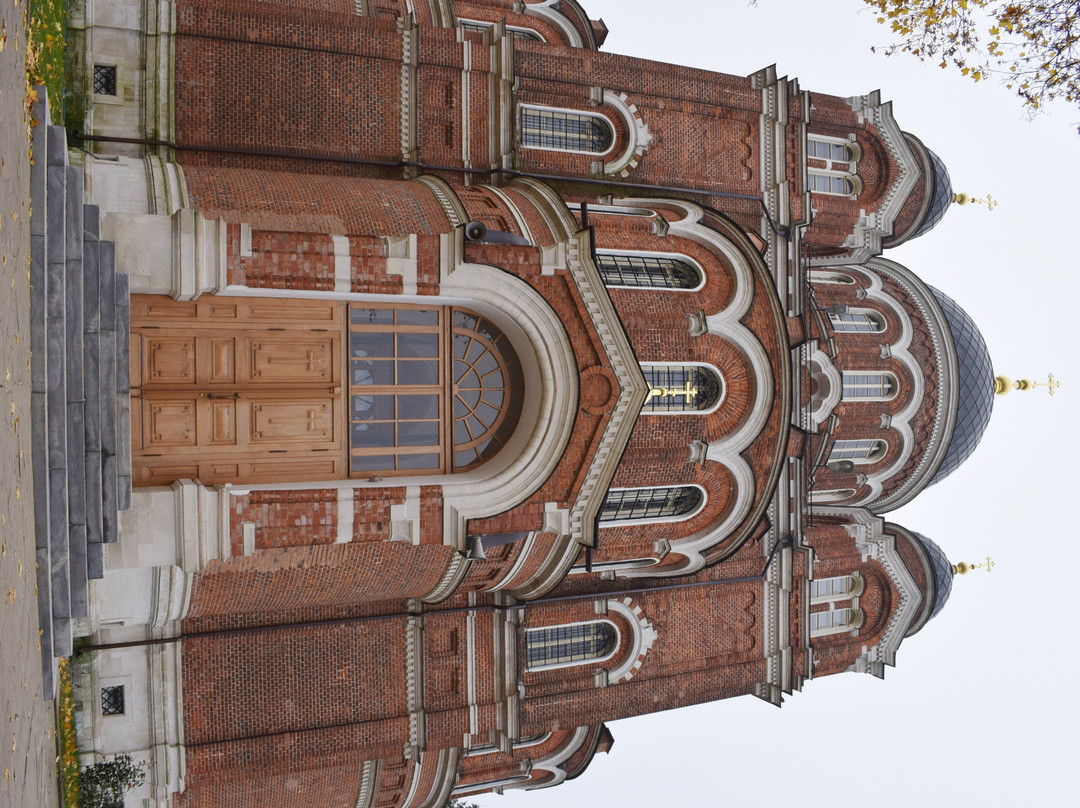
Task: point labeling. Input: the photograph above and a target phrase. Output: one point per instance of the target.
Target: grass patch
(45, 53)
(65, 735)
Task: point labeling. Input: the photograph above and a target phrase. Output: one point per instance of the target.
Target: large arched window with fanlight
(431, 390)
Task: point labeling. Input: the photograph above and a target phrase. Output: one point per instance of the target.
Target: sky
(978, 709)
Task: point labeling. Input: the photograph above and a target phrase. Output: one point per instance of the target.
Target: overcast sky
(981, 708)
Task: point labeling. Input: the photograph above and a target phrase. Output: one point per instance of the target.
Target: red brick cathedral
(487, 386)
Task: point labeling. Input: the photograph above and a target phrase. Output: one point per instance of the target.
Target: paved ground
(27, 743)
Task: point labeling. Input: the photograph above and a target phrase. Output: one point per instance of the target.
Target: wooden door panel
(168, 424)
(237, 390)
(308, 422)
(293, 360)
(169, 360)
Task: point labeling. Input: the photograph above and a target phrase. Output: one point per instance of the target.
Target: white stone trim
(401, 260)
(547, 11)
(342, 262)
(639, 138)
(553, 762)
(642, 637)
(727, 450)
(346, 514)
(826, 405)
(405, 518)
(872, 543)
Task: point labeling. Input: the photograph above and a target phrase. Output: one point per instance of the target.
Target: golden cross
(687, 390)
(989, 565)
(1051, 382)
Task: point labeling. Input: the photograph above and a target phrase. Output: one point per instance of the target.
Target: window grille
(624, 504)
(859, 450)
(112, 700)
(566, 645)
(866, 322)
(652, 271)
(104, 79)
(835, 184)
(403, 390)
(681, 388)
(868, 386)
(830, 150)
(565, 131)
(522, 34)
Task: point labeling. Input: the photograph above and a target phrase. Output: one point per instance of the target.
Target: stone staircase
(80, 390)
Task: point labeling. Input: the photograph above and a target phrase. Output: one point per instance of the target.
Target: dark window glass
(681, 388)
(104, 79)
(112, 700)
(561, 645)
(650, 503)
(565, 131)
(652, 271)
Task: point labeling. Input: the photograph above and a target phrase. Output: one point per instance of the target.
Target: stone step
(56, 378)
(92, 384)
(38, 378)
(123, 393)
(76, 426)
(108, 390)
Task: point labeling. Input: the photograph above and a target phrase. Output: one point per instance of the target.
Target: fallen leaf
(11, 596)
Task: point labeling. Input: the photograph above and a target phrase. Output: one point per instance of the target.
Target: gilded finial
(963, 568)
(1003, 384)
(968, 199)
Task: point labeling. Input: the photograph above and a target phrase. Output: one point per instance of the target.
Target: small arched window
(861, 385)
(627, 564)
(652, 504)
(834, 621)
(858, 451)
(841, 587)
(523, 34)
(833, 495)
(565, 130)
(864, 321)
(832, 150)
(832, 182)
(682, 388)
(574, 644)
(651, 271)
(828, 276)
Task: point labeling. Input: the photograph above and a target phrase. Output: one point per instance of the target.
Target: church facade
(487, 386)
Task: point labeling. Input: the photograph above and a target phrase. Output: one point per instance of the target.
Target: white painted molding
(642, 637)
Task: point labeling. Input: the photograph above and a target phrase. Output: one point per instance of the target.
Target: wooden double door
(237, 390)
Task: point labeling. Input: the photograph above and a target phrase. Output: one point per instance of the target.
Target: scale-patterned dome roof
(940, 198)
(942, 570)
(976, 383)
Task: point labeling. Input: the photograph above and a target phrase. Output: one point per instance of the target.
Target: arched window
(828, 276)
(565, 130)
(834, 621)
(865, 321)
(479, 27)
(861, 385)
(832, 150)
(833, 495)
(627, 564)
(858, 451)
(839, 588)
(574, 644)
(682, 388)
(831, 165)
(403, 389)
(652, 504)
(832, 182)
(652, 271)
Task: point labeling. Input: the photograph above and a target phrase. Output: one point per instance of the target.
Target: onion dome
(941, 195)
(976, 386)
(939, 580)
